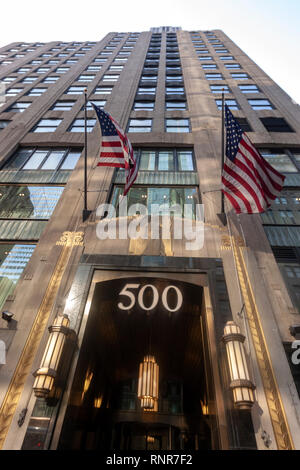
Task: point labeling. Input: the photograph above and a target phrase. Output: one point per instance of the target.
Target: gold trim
(277, 414)
(71, 239)
(23, 368)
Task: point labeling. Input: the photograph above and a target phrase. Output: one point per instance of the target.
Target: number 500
(155, 297)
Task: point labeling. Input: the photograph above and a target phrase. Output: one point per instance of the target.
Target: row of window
(283, 160)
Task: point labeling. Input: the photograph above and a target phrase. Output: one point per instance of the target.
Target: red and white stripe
(116, 151)
(249, 182)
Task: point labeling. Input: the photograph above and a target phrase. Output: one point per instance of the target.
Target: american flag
(116, 149)
(248, 181)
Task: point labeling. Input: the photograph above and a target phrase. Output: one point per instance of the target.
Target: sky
(268, 31)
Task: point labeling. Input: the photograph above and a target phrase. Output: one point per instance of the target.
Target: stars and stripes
(116, 150)
(248, 181)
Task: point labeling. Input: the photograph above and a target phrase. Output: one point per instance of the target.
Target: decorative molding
(71, 239)
(227, 240)
(24, 366)
(277, 413)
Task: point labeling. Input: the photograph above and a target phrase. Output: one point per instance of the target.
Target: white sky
(267, 30)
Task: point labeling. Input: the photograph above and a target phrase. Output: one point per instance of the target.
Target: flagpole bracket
(85, 214)
(222, 217)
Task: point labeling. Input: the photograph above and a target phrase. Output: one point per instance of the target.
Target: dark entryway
(129, 319)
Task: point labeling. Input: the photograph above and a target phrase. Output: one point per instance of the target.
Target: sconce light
(148, 383)
(240, 384)
(44, 376)
(295, 330)
(7, 316)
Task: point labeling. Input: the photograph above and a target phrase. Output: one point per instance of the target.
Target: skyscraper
(170, 331)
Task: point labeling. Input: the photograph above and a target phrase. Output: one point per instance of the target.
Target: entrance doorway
(131, 320)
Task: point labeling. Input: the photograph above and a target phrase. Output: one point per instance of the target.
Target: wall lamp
(45, 375)
(7, 316)
(295, 330)
(148, 383)
(240, 382)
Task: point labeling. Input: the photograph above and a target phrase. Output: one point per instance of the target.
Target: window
(249, 89)
(36, 91)
(221, 51)
(177, 125)
(156, 198)
(36, 62)
(279, 160)
(244, 124)
(260, 104)
(205, 57)
(28, 202)
(18, 107)
(174, 78)
(47, 125)
(62, 69)
(146, 105)
(232, 66)
(13, 91)
(115, 68)
(276, 124)
(50, 79)
(63, 105)
(98, 103)
(75, 90)
(147, 78)
(42, 70)
(146, 90)
(93, 68)
(226, 57)
(3, 124)
(209, 66)
(175, 90)
(232, 104)
(139, 125)
(239, 76)
(213, 76)
(219, 88)
(43, 159)
(24, 70)
(166, 160)
(9, 79)
(13, 260)
(29, 79)
(86, 78)
(53, 62)
(78, 125)
(110, 78)
(175, 105)
(98, 59)
(103, 90)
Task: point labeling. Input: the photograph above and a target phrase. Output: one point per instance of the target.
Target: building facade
(93, 313)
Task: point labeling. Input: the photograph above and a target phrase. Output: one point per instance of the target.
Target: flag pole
(85, 212)
(222, 215)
